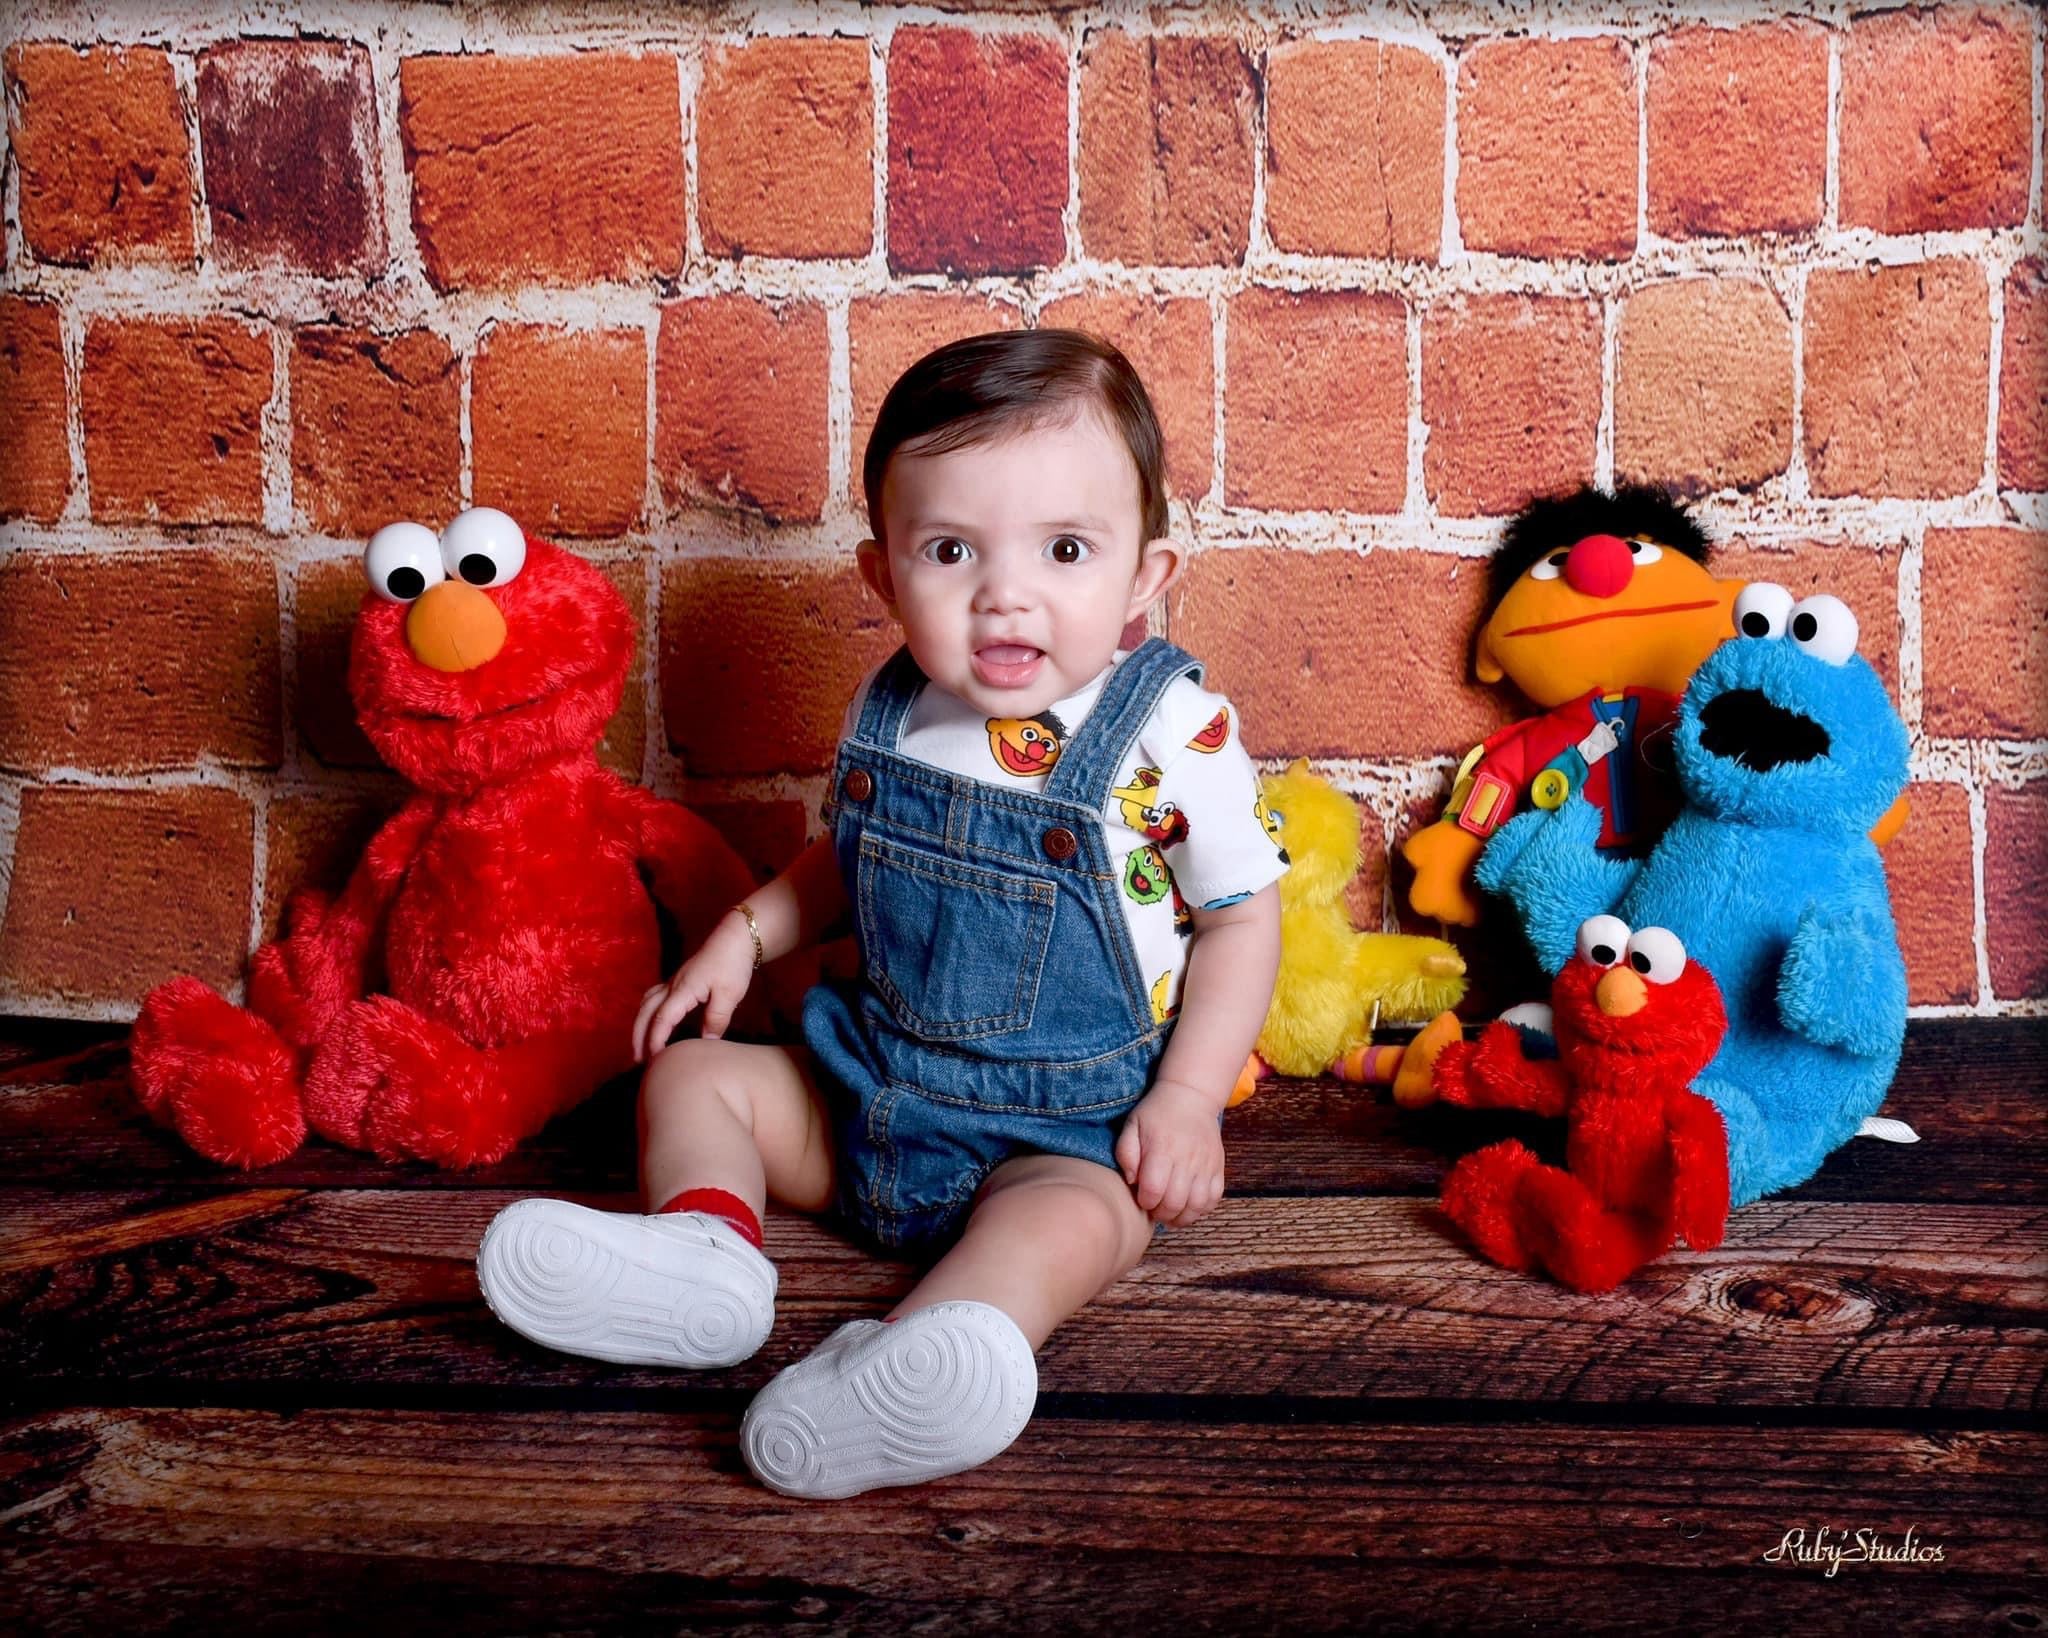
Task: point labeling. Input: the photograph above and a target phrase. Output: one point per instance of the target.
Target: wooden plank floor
(277, 1403)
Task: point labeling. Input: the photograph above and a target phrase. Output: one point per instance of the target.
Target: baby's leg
(1047, 1234)
(723, 1126)
(948, 1381)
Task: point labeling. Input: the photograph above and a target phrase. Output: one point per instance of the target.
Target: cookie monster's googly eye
(1549, 568)
(1656, 953)
(1642, 553)
(1762, 608)
(1602, 940)
(402, 561)
(484, 547)
(1824, 627)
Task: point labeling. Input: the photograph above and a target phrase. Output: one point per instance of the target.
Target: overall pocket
(956, 951)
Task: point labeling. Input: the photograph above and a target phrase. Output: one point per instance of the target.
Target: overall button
(1060, 844)
(860, 785)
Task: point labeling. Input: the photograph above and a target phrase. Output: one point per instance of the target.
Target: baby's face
(1014, 565)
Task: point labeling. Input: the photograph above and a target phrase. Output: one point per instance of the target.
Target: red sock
(718, 1203)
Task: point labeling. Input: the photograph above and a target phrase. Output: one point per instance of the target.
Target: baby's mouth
(1007, 665)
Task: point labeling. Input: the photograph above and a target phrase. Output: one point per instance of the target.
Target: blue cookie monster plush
(1788, 753)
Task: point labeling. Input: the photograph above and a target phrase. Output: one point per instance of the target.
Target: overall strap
(1089, 762)
(889, 699)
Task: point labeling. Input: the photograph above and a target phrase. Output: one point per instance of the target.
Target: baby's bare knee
(687, 1072)
(1080, 1215)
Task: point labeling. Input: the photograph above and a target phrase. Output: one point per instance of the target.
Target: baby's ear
(872, 560)
(1159, 565)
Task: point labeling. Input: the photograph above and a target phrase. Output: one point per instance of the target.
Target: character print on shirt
(1147, 879)
(1214, 737)
(1162, 1008)
(1275, 821)
(1144, 812)
(1026, 746)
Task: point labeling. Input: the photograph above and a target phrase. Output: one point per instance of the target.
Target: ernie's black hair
(1552, 521)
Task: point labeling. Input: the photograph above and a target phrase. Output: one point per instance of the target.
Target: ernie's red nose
(1599, 566)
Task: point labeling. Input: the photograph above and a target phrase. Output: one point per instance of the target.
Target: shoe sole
(910, 1402)
(590, 1282)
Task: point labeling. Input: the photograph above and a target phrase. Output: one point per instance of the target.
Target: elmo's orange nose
(454, 627)
(1621, 992)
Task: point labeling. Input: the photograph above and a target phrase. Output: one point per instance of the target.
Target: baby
(1063, 896)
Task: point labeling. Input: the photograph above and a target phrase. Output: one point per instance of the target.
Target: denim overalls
(1000, 1009)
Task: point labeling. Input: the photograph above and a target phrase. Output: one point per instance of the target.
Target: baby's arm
(1171, 1149)
(790, 911)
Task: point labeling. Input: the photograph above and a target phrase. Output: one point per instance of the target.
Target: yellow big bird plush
(1336, 983)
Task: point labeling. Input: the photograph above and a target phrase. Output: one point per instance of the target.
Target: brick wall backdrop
(642, 278)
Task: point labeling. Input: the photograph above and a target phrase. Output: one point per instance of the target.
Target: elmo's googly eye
(1762, 608)
(1824, 627)
(1602, 939)
(1656, 953)
(402, 561)
(484, 547)
(1549, 568)
(1644, 552)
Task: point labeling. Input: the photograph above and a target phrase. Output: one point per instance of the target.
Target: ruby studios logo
(1834, 1548)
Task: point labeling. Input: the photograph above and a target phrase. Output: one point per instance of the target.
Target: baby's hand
(716, 977)
(1171, 1154)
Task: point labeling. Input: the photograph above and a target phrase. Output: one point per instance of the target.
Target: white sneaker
(684, 1288)
(936, 1392)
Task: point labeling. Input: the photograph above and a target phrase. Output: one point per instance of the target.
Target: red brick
(550, 170)
(759, 660)
(1897, 379)
(1737, 129)
(35, 452)
(1984, 633)
(1930, 867)
(2023, 381)
(1511, 396)
(1372, 657)
(1937, 120)
(1866, 579)
(314, 839)
(786, 149)
(740, 393)
(116, 891)
(99, 141)
(887, 334)
(329, 593)
(977, 152)
(288, 142)
(2015, 887)
(1547, 148)
(558, 427)
(376, 429)
(1316, 401)
(137, 662)
(1166, 149)
(624, 746)
(1355, 149)
(1703, 385)
(1168, 342)
(173, 412)
(768, 834)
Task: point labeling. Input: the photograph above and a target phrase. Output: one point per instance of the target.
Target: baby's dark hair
(974, 390)
(1554, 521)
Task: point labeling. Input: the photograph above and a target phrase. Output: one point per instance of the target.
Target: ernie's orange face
(1606, 613)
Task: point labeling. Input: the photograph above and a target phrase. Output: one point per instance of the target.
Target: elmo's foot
(217, 1075)
(1479, 1196)
(392, 1080)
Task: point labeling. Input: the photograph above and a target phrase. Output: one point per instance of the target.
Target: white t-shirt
(1184, 821)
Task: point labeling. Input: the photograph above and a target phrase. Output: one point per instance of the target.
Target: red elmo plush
(1647, 1158)
(501, 912)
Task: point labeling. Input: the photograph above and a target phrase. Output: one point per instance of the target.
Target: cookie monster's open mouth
(1745, 727)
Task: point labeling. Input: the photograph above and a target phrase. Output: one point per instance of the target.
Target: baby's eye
(948, 551)
(1068, 549)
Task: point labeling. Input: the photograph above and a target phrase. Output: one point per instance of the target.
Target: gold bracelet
(753, 929)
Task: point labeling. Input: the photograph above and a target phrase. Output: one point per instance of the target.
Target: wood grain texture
(535, 1522)
(351, 1292)
(1972, 1087)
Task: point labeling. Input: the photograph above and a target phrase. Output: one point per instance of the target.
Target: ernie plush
(1647, 1157)
(481, 970)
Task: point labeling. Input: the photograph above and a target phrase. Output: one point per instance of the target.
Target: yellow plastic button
(1550, 788)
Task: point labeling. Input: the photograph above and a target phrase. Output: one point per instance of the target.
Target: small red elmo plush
(1648, 1159)
(501, 912)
